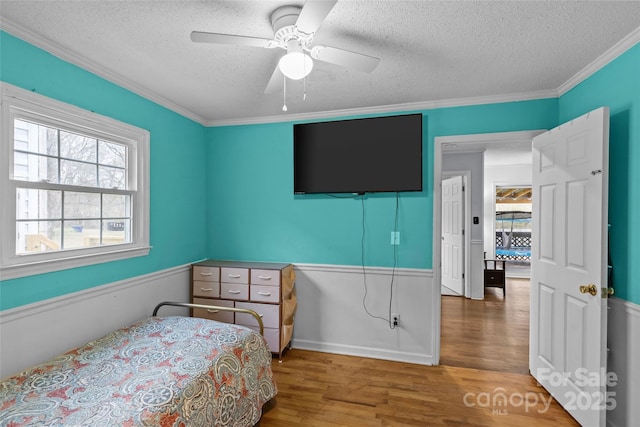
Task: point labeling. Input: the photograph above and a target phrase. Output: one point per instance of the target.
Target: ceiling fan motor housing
(283, 22)
(285, 16)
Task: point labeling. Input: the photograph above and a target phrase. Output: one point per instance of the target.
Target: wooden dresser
(266, 288)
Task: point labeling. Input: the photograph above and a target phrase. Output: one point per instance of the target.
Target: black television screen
(358, 156)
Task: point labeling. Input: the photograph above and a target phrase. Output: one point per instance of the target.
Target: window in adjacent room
(513, 224)
(74, 186)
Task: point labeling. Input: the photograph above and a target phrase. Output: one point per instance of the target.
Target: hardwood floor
(321, 389)
(492, 334)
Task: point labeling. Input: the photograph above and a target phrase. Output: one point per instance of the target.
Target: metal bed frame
(212, 309)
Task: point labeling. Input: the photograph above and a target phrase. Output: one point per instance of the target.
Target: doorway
(475, 283)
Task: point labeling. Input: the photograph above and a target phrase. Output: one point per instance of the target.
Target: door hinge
(463, 231)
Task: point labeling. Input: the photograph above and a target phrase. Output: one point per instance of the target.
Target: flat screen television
(380, 154)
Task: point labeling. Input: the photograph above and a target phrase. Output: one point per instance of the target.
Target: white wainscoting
(331, 317)
(36, 332)
(624, 354)
(476, 291)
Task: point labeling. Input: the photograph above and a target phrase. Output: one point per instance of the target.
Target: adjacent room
(377, 213)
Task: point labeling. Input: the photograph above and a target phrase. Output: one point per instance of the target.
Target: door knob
(589, 289)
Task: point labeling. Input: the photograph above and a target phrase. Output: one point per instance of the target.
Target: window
(513, 224)
(74, 186)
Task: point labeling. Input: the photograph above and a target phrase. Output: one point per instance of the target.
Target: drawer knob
(206, 274)
(265, 277)
(231, 291)
(234, 276)
(206, 289)
(210, 310)
(265, 294)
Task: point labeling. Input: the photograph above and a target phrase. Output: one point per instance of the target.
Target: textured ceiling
(431, 51)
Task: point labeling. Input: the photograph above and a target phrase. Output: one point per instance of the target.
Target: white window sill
(40, 267)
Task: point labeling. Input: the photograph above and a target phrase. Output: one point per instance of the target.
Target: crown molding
(618, 49)
(76, 59)
(392, 108)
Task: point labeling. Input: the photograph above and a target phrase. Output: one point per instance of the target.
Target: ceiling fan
(294, 28)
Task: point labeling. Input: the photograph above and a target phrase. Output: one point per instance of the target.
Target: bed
(161, 371)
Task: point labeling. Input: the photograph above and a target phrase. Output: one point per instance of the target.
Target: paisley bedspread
(171, 371)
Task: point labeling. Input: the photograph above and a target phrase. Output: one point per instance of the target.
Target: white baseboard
(374, 353)
(33, 333)
(446, 291)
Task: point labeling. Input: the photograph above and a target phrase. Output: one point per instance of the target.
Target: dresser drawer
(262, 293)
(273, 339)
(234, 275)
(234, 291)
(265, 277)
(213, 314)
(209, 274)
(269, 313)
(206, 289)
(494, 277)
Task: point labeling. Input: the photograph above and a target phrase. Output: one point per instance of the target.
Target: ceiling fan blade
(312, 15)
(276, 81)
(345, 58)
(218, 38)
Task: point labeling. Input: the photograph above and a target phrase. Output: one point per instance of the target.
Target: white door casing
(452, 234)
(568, 328)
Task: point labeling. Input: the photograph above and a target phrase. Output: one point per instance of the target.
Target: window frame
(21, 104)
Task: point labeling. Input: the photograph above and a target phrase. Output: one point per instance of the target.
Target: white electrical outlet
(395, 319)
(395, 237)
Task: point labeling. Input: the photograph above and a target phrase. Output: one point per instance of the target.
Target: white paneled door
(452, 234)
(568, 328)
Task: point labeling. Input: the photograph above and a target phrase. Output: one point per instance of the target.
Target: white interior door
(568, 328)
(452, 234)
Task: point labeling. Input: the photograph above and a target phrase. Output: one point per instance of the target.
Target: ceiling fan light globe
(295, 65)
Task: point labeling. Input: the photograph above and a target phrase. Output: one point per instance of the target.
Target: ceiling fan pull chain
(284, 101)
(304, 81)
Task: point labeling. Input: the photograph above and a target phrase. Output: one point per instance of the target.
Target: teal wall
(617, 85)
(254, 215)
(178, 169)
(236, 201)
